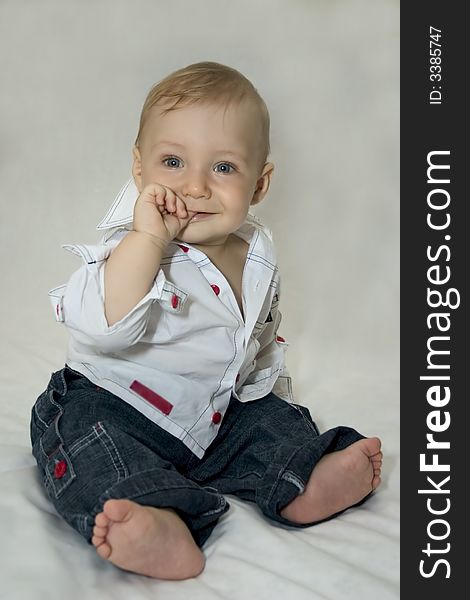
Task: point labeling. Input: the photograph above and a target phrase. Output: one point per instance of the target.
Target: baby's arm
(133, 281)
(129, 273)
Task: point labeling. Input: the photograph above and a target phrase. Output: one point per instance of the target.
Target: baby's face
(210, 157)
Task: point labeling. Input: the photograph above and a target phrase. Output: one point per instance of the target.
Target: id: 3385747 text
(435, 66)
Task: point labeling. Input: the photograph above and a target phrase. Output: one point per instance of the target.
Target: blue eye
(172, 162)
(224, 168)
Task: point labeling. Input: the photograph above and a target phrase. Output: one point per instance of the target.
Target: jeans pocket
(92, 462)
(58, 472)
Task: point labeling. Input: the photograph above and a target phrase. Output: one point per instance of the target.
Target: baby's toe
(102, 520)
(102, 548)
(376, 481)
(100, 531)
(97, 540)
(376, 461)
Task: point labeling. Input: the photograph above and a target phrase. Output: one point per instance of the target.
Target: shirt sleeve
(79, 304)
(272, 352)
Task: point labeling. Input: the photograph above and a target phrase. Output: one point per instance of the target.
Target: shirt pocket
(172, 298)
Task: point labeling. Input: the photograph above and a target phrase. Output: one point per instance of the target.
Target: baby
(174, 390)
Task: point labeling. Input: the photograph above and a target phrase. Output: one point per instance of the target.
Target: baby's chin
(192, 239)
(190, 236)
(195, 233)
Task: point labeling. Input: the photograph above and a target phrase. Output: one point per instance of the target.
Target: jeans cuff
(199, 508)
(291, 476)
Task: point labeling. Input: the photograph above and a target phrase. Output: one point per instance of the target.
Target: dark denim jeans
(91, 446)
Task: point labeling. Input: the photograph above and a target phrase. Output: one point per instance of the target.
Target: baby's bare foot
(146, 540)
(339, 480)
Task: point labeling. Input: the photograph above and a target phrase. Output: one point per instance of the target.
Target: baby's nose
(196, 186)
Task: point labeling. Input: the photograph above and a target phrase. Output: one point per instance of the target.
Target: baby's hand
(160, 212)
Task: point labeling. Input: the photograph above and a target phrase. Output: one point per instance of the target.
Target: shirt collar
(121, 212)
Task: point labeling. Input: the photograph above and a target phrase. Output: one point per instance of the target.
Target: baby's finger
(181, 211)
(170, 201)
(154, 194)
(160, 199)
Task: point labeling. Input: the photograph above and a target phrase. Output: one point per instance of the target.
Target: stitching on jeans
(61, 441)
(56, 427)
(107, 439)
(104, 435)
(82, 443)
(63, 391)
(311, 426)
(83, 524)
(221, 505)
(42, 447)
(294, 479)
(38, 416)
(240, 477)
(279, 475)
(52, 401)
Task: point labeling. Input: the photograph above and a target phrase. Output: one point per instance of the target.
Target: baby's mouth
(199, 216)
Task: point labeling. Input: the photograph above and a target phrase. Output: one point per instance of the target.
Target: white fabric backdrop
(74, 77)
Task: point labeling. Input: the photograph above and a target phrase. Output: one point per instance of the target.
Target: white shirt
(184, 349)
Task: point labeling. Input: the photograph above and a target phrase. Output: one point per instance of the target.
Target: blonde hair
(206, 82)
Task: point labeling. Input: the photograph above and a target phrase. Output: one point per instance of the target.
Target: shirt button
(216, 417)
(216, 289)
(174, 301)
(60, 469)
(184, 248)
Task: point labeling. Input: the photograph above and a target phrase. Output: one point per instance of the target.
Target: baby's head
(204, 132)
(208, 83)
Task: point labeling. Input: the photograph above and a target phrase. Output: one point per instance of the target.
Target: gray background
(74, 77)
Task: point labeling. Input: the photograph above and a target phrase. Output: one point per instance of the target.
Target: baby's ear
(137, 167)
(262, 183)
